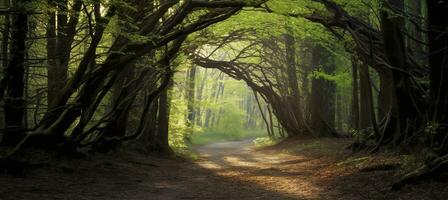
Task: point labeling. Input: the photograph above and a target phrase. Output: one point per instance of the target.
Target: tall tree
(14, 102)
(4, 57)
(438, 60)
(61, 31)
(354, 121)
(365, 118)
(291, 74)
(191, 85)
(322, 95)
(407, 109)
(161, 137)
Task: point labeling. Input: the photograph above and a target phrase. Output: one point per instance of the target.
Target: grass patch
(209, 136)
(186, 153)
(261, 142)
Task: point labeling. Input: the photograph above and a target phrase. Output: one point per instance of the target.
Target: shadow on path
(228, 170)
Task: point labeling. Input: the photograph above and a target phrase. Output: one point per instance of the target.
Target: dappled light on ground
(260, 169)
(311, 169)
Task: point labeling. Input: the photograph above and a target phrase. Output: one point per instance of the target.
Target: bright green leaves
(293, 7)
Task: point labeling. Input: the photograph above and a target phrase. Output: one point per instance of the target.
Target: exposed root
(427, 171)
(381, 167)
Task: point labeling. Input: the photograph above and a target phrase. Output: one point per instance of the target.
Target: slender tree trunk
(339, 112)
(191, 88)
(265, 120)
(200, 94)
(4, 56)
(52, 58)
(209, 115)
(270, 123)
(14, 102)
(219, 96)
(355, 96)
(365, 120)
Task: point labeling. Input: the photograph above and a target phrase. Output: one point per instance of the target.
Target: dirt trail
(229, 170)
(270, 172)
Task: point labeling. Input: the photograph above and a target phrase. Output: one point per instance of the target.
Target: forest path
(315, 169)
(234, 170)
(265, 174)
(304, 169)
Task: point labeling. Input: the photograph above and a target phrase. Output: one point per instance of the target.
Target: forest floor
(302, 169)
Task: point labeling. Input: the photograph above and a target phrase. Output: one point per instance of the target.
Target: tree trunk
(4, 56)
(198, 114)
(161, 139)
(293, 99)
(416, 37)
(322, 96)
(438, 60)
(365, 120)
(14, 102)
(191, 87)
(355, 96)
(403, 122)
(122, 90)
(293, 84)
(339, 113)
(147, 139)
(60, 36)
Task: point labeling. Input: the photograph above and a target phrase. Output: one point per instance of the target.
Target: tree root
(380, 167)
(427, 171)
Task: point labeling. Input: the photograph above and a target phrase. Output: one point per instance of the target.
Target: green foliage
(226, 113)
(231, 120)
(341, 79)
(265, 141)
(178, 130)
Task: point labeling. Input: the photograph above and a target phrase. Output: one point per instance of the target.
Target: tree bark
(355, 96)
(122, 90)
(60, 36)
(161, 138)
(14, 102)
(438, 61)
(293, 99)
(365, 120)
(323, 96)
(191, 88)
(4, 56)
(199, 94)
(404, 121)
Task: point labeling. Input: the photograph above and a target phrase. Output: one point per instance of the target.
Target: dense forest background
(83, 76)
